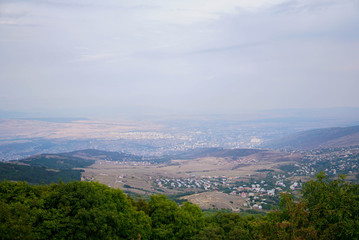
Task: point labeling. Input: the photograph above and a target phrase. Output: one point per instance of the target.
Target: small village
(258, 193)
(332, 161)
(254, 192)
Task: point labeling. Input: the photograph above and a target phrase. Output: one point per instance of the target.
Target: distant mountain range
(317, 138)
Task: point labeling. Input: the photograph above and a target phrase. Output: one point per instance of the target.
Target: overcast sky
(184, 56)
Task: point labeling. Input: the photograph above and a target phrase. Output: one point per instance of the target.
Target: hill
(37, 175)
(50, 168)
(318, 138)
(45, 168)
(94, 154)
(76, 159)
(56, 161)
(106, 167)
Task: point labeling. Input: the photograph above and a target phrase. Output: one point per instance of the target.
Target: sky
(103, 57)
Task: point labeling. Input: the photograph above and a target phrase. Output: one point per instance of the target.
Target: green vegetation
(46, 168)
(37, 175)
(328, 209)
(105, 155)
(265, 170)
(77, 210)
(54, 161)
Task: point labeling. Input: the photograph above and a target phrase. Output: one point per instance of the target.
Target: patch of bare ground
(218, 200)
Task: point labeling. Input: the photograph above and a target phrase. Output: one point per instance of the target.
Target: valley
(237, 179)
(237, 183)
(25, 137)
(214, 178)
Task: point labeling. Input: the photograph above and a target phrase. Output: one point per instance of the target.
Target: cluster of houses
(228, 185)
(130, 163)
(255, 193)
(195, 183)
(332, 161)
(87, 178)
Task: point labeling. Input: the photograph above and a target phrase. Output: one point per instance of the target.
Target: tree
(162, 213)
(189, 221)
(227, 226)
(172, 222)
(77, 210)
(333, 207)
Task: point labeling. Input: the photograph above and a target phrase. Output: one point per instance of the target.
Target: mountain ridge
(317, 138)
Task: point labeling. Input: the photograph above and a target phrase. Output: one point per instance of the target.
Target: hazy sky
(184, 56)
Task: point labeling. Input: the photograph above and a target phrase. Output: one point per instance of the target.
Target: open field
(141, 178)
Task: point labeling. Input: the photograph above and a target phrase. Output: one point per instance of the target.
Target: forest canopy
(328, 209)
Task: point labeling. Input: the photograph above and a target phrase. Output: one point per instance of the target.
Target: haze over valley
(161, 135)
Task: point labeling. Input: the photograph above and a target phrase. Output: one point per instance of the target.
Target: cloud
(66, 3)
(175, 12)
(228, 48)
(6, 13)
(7, 22)
(188, 11)
(94, 57)
(189, 54)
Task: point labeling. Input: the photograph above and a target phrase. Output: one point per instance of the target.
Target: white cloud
(8, 22)
(94, 57)
(189, 11)
(226, 54)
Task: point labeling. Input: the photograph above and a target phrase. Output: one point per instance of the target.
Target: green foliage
(162, 213)
(37, 175)
(78, 210)
(46, 168)
(172, 222)
(333, 207)
(211, 212)
(141, 205)
(57, 161)
(189, 221)
(177, 197)
(227, 226)
(328, 209)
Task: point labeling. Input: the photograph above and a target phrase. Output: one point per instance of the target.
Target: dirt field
(140, 179)
(209, 200)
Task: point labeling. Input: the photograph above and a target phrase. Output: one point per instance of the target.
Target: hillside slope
(318, 138)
